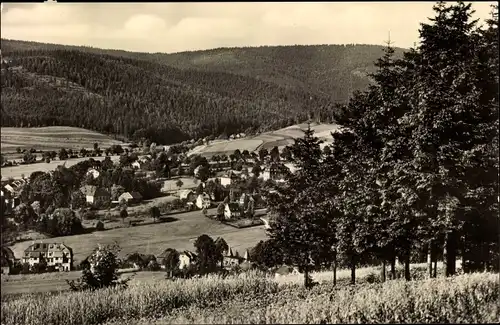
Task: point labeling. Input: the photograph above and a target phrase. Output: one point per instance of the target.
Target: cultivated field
(17, 172)
(253, 298)
(155, 238)
(268, 140)
(52, 138)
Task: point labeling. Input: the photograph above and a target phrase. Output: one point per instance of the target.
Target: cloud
(143, 23)
(168, 27)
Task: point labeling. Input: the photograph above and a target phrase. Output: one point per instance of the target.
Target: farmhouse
(57, 255)
(231, 211)
(203, 201)
(95, 195)
(186, 258)
(130, 197)
(94, 172)
(188, 195)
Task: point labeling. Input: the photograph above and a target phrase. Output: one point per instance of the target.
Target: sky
(176, 27)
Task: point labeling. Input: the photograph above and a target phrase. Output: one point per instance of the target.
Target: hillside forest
(169, 98)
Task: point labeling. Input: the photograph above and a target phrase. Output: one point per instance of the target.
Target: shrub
(100, 271)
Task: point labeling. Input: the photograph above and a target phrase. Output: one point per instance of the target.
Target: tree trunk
(382, 274)
(429, 259)
(393, 267)
(434, 270)
(335, 269)
(407, 266)
(449, 254)
(306, 277)
(353, 270)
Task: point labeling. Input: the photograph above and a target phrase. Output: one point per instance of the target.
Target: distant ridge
(174, 97)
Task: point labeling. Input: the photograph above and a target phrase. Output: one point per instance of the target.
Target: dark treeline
(415, 170)
(145, 96)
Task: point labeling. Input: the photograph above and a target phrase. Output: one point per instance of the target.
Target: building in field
(230, 259)
(130, 197)
(188, 195)
(232, 211)
(57, 255)
(186, 258)
(203, 201)
(96, 195)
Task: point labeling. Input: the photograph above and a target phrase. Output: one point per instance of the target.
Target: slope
(173, 97)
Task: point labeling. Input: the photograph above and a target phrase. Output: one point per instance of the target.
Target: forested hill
(174, 97)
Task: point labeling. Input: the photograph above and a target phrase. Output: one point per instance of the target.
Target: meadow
(267, 140)
(17, 172)
(155, 238)
(254, 298)
(52, 138)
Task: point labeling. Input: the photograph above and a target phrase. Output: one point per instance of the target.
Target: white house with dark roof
(130, 197)
(232, 211)
(186, 258)
(55, 254)
(203, 201)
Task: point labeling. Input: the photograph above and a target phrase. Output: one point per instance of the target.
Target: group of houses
(230, 258)
(99, 195)
(10, 193)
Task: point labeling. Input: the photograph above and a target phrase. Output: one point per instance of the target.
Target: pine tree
(301, 229)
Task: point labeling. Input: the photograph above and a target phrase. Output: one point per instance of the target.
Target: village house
(57, 255)
(230, 259)
(232, 211)
(95, 195)
(188, 195)
(94, 172)
(203, 201)
(130, 197)
(229, 178)
(186, 258)
(275, 172)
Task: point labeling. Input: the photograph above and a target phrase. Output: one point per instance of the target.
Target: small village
(231, 187)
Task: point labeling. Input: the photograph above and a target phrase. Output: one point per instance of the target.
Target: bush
(100, 270)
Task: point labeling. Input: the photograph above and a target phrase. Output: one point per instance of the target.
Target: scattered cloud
(172, 27)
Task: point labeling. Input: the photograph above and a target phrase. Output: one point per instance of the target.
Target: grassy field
(17, 172)
(266, 140)
(52, 138)
(155, 238)
(253, 298)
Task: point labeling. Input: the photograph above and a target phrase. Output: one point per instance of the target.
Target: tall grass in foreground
(254, 298)
(138, 300)
(462, 299)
